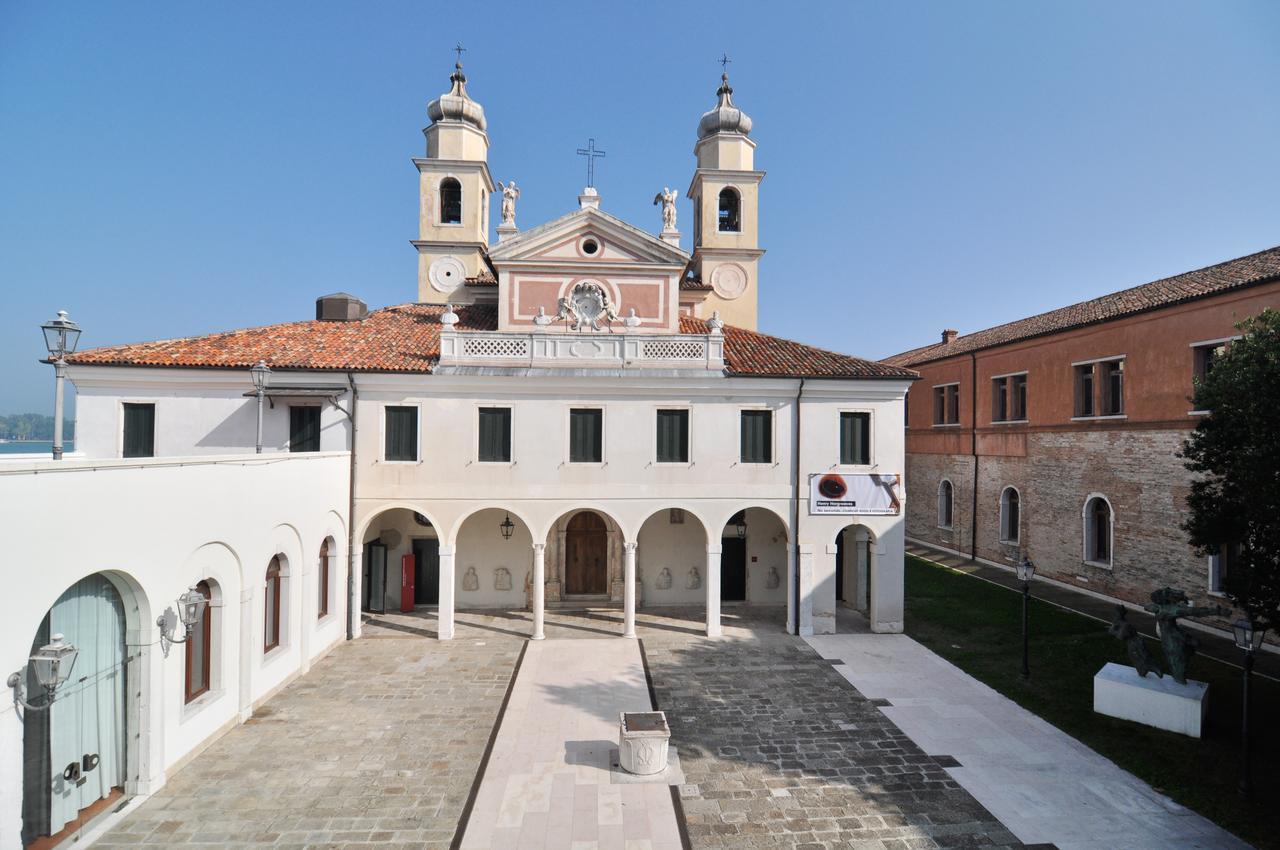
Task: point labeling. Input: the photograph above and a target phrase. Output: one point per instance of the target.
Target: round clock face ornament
(729, 280)
(446, 274)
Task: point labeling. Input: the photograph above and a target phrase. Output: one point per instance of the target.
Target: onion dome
(455, 104)
(725, 118)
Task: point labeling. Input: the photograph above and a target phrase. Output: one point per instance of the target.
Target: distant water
(30, 447)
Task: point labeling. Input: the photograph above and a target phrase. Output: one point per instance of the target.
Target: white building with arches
(581, 415)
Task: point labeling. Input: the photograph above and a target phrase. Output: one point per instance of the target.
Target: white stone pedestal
(643, 739)
(1118, 691)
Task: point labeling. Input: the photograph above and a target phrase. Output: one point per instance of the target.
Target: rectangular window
(757, 436)
(1084, 390)
(1009, 398)
(1112, 379)
(139, 430)
(946, 405)
(586, 435)
(1018, 397)
(322, 582)
(198, 649)
(304, 429)
(401, 433)
(1204, 357)
(673, 436)
(1220, 566)
(495, 435)
(1000, 400)
(855, 439)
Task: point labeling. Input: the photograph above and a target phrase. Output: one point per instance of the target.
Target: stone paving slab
(1044, 785)
(549, 782)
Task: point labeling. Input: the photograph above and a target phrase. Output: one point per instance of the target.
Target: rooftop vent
(340, 307)
(948, 335)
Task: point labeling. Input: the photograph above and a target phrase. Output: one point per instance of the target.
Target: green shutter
(673, 436)
(586, 436)
(855, 439)
(757, 436)
(139, 430)
(304, 429)
(495, 435)
(402, 433)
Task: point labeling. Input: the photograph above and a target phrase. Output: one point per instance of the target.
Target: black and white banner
(869, 494)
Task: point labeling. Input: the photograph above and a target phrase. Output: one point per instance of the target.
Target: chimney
(340, 307)
(948, 335)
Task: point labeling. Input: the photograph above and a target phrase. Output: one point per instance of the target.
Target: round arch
(688, 511)
(786, 524)
(564, 514)
(452, 538)
(362, 527)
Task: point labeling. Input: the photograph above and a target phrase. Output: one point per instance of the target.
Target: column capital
(630, 545)
(714, 550)
(539, 547)
(446, 551)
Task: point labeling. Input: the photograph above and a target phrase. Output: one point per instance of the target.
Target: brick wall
(1137, 470)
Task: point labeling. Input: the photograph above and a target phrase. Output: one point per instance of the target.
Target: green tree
(1235, 500)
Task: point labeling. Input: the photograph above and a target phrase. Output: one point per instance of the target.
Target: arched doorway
(74, 751)
(586, 556)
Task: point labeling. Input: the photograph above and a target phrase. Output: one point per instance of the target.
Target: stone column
(539, 588)
(712, 583)
(863, 569)
(805, 602)
(790, 579)
(354, 625)
(886, 577)
(629, 590)
(445, 612)
(249, 639)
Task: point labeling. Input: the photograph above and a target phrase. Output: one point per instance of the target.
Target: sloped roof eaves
(1243, 272)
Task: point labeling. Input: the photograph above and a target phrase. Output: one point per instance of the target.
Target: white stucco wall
(156, 528)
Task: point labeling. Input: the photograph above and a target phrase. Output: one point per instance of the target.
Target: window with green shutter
(855, 438)
(757, 436)
(495, 435)
(673, 436)
(139, 430)
(304, 429)
(402, 433)
(586, 435)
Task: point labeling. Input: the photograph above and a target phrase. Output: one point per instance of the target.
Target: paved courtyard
(381, 743)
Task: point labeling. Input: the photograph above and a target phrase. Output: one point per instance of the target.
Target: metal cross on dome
(725, 62)
(459, 49)
(590, 153)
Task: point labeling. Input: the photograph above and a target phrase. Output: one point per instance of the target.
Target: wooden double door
(586, 555)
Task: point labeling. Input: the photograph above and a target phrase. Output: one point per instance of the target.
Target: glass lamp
(1026, 569)
(190, 607)
(507, 527)
(52, 662)
(741, 525)
(61, 336)
(1247, 637)
(261, 373)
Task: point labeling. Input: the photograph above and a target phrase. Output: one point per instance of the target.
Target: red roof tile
(406, 338)
(1233, 274)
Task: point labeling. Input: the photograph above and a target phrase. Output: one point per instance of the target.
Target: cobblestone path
(780, 751)
(378, 744)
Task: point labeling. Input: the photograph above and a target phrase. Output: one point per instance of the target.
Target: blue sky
(179, 168)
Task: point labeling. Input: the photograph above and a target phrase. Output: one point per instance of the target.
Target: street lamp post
(261, 377)
(60, 337)
(1248, 639)
(1026, 571)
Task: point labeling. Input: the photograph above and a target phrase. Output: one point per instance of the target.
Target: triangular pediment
(568, 240)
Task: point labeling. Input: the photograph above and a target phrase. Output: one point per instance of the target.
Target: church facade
(580, 413)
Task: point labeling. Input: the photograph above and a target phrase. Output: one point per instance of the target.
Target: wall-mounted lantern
(51, 665)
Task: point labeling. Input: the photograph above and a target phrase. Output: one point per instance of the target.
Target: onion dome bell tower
(726, 200)
(454, 190)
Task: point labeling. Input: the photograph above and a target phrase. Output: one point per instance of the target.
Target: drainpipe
(973, 446)
(351, 511)
(795, 517)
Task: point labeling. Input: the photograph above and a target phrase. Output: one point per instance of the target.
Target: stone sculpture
(502, 579)
(667, 198)
(509, 195)
(1168, 604)
(470, 581)
(695, 579)
(586, 307)
(1142, 659)
(663, 581)
(772, 579)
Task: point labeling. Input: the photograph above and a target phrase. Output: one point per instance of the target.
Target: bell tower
(726, 200)
(454, 191)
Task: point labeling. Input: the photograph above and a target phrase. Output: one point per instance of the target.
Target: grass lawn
(977, 626)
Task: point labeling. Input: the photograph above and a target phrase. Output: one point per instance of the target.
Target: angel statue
(668, 200)
(509, 195)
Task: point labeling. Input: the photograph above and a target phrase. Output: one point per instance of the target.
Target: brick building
(1070, 422)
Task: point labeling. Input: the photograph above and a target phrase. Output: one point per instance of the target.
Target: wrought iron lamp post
(51, 664)
(1026, 571)
(191, 607)
(261, 377)
(1249, 639)
(60, 336)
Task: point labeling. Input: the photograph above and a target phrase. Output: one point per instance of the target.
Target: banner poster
(862, 493)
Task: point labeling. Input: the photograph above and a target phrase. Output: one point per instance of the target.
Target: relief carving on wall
(695, 579)
(664, 580)
(502, 579)
(470, 581)
(772, 579)
(586, 307)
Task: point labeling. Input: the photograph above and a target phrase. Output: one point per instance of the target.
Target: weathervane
(590, 153)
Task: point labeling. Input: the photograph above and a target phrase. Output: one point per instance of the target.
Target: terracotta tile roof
(484, 279)
(406, 338)
(1233, 274)
(756, 354)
